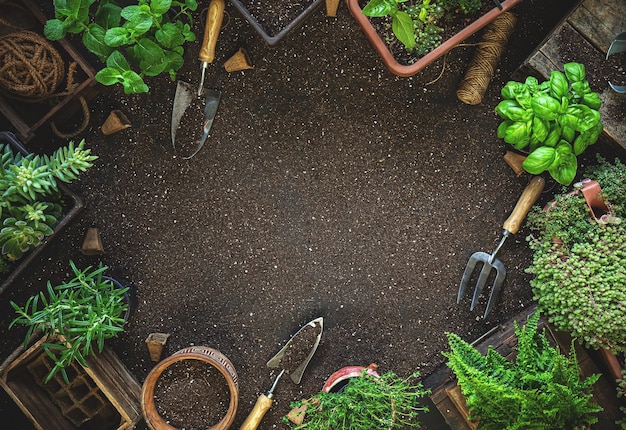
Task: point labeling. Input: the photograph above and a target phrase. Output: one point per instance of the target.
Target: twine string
(482, 67)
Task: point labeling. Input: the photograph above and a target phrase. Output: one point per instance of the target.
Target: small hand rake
(510, 226)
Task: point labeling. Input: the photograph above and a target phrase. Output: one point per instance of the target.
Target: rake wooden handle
(524, 203)
(214, 18)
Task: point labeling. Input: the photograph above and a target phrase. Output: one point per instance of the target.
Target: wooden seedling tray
(27, 118)
(103, 395)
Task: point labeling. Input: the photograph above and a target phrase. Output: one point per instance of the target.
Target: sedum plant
(76, 316)
(367, 402)
(554, 121)
(418, 24)
(137, 40)
(579, 265)
(540, 389)
(30, 205)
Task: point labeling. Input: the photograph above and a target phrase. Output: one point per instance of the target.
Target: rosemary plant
(541, 389)
(368, 402)
(580, 281)
(30, 205)
(76, 316)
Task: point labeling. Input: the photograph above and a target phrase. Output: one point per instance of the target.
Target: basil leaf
(377, 8)
(540, 128)
(517, 134)
(554, 135)
(592, 100)
(510, 109)
(575, 72)
(564, 171)
(545, 107)
(402, 26)
(581, 143)
(586, 118)
(502, 128)
(558, 85)
(539, 160)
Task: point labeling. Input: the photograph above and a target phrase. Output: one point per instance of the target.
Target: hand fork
(510, 226)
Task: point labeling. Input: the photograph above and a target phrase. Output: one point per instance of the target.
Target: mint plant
(77, 316)
(30, 205)
(579, 264)
(539, 389)
(143, 39)
(418, 24)
(554, 121)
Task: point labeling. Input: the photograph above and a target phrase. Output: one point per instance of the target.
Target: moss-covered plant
(419, 24)
(580, 264)
(76, 316)
(540, 389)
(367, 402)
(31, 202)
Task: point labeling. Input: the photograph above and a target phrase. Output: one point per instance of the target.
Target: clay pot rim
(151, 415)
(409, 70)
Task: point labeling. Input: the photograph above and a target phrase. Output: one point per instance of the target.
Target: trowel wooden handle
(214, 18)
(524, 203)
(262, 405)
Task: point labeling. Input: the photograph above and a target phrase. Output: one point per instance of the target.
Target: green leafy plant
(554, 121)
(579, 265)
(76, 316)
(418, 24)
(367, 402)
(147, 36)
(30, 205)
(540, 389)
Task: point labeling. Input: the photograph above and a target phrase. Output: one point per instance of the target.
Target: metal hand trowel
(185, 93)
(293, 359)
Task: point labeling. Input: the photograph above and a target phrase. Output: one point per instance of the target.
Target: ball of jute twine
(487, 55)
(31, 71)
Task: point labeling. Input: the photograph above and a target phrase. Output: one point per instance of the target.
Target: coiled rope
(481, 68)
(31, 70)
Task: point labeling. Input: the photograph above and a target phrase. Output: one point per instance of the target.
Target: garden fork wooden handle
(524, 203)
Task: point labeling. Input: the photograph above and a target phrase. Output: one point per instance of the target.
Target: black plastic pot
(74, 202)
(273, 39)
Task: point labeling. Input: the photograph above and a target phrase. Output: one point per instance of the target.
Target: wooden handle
(214, 18)
(524, 203)
(262, 405)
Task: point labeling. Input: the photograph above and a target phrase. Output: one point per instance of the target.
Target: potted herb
(541, 388)
(410, 35)
(33, 195)
(369, 401)
(137, 40)
(76, 316)
(554, 121)
(578, 263)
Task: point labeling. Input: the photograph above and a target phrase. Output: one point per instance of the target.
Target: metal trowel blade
(185, 93)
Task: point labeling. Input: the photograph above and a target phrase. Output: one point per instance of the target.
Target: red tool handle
(524, 203)
(214, 18)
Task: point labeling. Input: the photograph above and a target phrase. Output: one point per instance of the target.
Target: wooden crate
(448, 399)
(591, 26)
(28, 118)
(102, 396)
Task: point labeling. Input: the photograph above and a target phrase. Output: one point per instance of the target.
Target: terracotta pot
(202, 353)
(338, 380)
(409, 70)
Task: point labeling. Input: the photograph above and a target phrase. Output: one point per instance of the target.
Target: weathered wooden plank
(599, 21)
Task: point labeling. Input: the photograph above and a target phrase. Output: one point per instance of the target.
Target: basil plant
(554, 121)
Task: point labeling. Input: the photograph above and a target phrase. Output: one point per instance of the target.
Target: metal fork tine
(480, 284)
(497, 284)
(469, 269)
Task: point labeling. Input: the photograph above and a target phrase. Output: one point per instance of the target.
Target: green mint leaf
(93, 39)
(54, 30)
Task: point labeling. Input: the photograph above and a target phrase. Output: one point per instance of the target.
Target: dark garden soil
(191, 394)
(273, 16)
(327, 187)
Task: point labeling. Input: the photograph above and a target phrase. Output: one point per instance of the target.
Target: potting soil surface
(327, 187)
